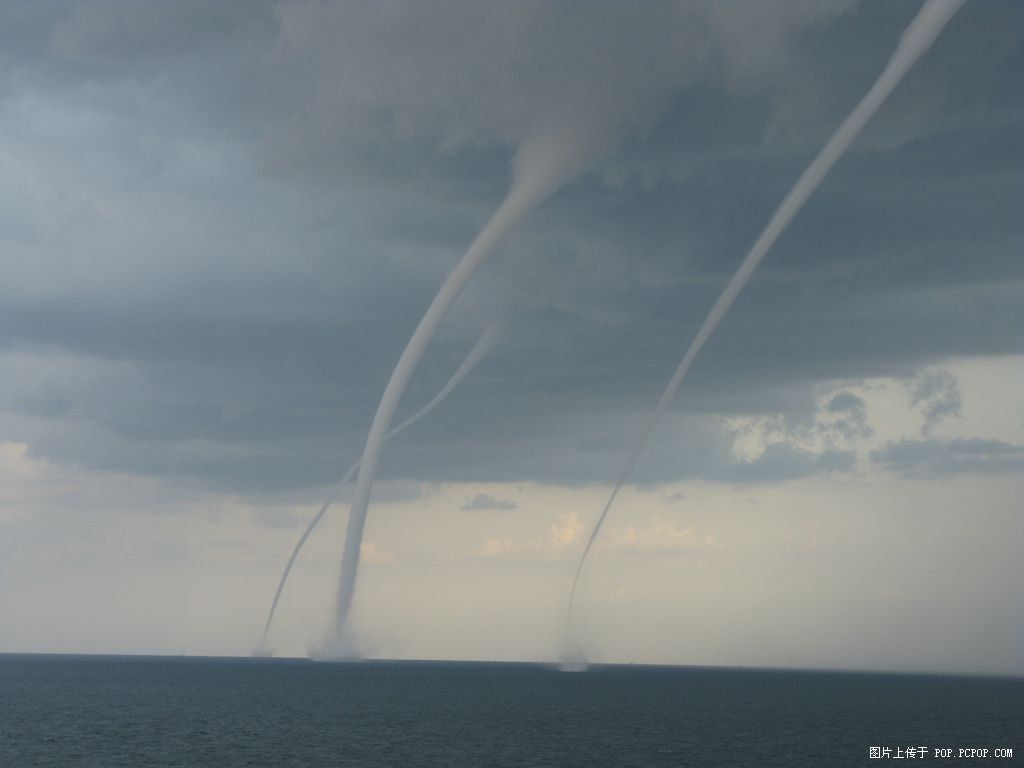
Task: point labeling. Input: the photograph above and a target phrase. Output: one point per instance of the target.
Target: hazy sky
(220, 222)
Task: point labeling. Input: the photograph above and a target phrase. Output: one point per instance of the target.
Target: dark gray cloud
(937, 395)
(485, 501)
(852, 417)
(941, 457)
(846, 402)
(219, 224)
(124, 35)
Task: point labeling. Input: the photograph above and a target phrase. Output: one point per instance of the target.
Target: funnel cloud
(914, 42)
(483, 345)
(542, 164)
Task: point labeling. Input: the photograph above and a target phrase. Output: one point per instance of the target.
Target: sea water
(98, 711)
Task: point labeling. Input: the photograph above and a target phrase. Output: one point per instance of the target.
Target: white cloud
(563, 536)
(374, 555)
(566, 532)
(657, 536)
(15, 464)
(496, 546)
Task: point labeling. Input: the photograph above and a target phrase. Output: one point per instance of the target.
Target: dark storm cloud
(125, 34)
(221, 222)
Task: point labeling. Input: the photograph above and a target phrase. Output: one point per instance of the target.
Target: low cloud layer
(220, 224)
(947, 457)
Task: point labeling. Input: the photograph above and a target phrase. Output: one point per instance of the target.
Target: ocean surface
(104, 711)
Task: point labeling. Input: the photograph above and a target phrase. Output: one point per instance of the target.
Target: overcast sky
(221, 221)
